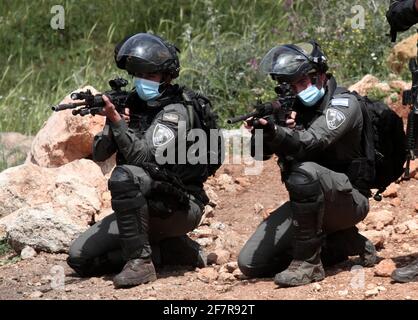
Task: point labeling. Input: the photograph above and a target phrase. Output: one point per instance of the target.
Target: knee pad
(303, 187)
(126, 181)
(121, 183)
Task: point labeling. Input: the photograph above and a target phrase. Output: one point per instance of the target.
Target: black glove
(269, 129)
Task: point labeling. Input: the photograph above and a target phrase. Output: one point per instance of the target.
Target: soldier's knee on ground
(78, 262)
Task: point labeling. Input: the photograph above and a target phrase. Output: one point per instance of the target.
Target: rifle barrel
(242, 117)
(66, 106)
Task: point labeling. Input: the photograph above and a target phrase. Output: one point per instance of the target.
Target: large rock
(65, 138)
(76, 188)
(401, 53)
(43, 228)
(14, 147)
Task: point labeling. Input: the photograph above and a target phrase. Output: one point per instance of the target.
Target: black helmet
(288, 62)
(147, 53)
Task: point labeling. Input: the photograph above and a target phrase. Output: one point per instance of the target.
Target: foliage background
(221, 42)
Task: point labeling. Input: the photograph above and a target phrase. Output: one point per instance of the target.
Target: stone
(231, 266)
(384, 268)
(371, 293)
(258, 208)
(239, 275)
(400, 85)
(76, 188)
(14, 147)
(412, 225)
(226, 277)
(377, 238)
(209, 211)
(243, 181)
(392, 190)
(395, 202)
(43, 228)
(343, 293)
(204, 242)
(401, 53)
(364, 85)
(218, 257)
(203, 232)
(27, 253)
(401, 228)
(65, 138)
(207, 275)
(213, 197)
(316, 287)
(36, 295)
(379, 219)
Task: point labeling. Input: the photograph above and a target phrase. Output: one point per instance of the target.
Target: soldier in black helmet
(402, 15)
(323, 168)
(155, 203)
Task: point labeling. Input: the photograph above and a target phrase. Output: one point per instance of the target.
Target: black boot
(306, 266)
(135, 272)
(182, 251)
(406, 274)
(133, 234)
(339, 245)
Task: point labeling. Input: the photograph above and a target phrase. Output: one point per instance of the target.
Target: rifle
(280, 109)
(410, 97)
(93, 104)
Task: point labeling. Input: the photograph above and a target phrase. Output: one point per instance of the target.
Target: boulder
(65, 138)
(75, 188)
(43, 228)
(401, 53)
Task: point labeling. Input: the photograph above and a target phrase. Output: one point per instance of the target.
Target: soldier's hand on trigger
(126, 115)
(248, 124)
(291, 122)
(109, 110)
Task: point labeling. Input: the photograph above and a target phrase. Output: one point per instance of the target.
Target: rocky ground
(239, 203)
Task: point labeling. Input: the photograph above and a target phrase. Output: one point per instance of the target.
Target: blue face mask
(147, 89)
(311, 95)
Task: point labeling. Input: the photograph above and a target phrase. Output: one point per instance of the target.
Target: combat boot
(407, 273)
(303, 270)
(340, 245)
(182, 251)
(135, 272)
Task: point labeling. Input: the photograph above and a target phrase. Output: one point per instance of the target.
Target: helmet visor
(148, 48)
(286, 63)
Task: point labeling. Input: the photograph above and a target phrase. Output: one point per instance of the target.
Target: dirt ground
(236, 218)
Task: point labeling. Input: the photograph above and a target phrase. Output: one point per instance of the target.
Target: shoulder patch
(162, 135)
(340, 102)
(171, 117)
(335, 118)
